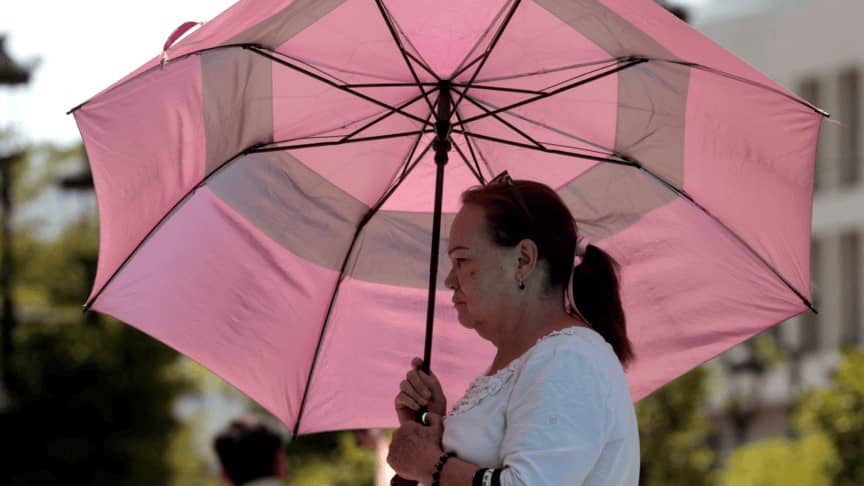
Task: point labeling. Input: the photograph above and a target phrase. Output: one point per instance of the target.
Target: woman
(554, 407)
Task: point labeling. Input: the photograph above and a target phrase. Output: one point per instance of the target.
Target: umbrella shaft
(441, 146)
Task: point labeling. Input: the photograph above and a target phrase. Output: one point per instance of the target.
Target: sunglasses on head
(504, 179)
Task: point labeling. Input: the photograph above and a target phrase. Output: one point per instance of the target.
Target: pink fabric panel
(445, 33)
(375, 331)
(760, 185)
(536, 40)
(254, 320)
(364, 170)
(145, 155)
(354, 43)
(712, 295)
(550, 169)
(304, 106)
(417, 192)
(683, 40)
(585, 116)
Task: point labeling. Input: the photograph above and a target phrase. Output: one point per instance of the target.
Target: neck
(532, 319)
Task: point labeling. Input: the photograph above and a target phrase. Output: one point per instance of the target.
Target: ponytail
(596, 294)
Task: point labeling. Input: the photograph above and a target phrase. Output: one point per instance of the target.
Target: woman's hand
(416, 448)
(419, 390)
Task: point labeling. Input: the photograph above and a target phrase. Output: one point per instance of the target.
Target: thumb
(434, 420)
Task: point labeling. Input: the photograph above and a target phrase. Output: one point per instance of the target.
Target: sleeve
(556, 421)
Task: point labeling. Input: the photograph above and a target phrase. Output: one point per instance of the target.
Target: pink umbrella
(269, 188)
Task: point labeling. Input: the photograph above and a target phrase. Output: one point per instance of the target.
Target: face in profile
(479, 276)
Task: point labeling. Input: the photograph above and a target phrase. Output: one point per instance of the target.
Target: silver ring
(423, 418)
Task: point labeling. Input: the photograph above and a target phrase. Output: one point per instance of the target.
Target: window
(810, 330)
(810, 90)
(850, 252)
(849, 106)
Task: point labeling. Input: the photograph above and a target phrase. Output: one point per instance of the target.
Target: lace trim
(489, 385)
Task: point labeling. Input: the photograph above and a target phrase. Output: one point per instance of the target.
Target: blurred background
(85, 399)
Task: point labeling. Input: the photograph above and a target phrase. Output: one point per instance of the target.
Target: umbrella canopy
(266, 189)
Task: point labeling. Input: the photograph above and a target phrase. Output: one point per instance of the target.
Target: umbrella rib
(610, 61)
(259, 148)
(498, 88)
(479, 152)
(320, 134)
(610, 159)
(471, 151)
(605, 150)
(387, 20)
(688, 197)
(419, 60)
(360, 226)
(319, 66)
(489, 49)
(607, 64)
(260, 51)
(407, 162)
(459, 70)
(157, 67)
(501, 120)
(579, 76)
(467, 66)
(630, 62)
(390, 113)
(744, 80)
(465, 160)
(387, 85)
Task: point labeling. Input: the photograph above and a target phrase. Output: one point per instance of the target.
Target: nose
(450, 280)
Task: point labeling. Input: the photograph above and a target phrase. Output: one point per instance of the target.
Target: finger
(419, 395)
(419, 385)
(431, 381)
(404, 401)
(417, 363)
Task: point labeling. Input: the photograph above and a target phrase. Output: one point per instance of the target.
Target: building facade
(814, 48)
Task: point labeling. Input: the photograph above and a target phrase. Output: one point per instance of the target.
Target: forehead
(468, 228)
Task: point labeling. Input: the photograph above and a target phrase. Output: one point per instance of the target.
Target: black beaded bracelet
(436, 473)
(478, 477)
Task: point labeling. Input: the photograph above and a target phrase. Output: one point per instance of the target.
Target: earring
(521, 284)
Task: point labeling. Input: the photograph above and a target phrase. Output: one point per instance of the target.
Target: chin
(464, 320)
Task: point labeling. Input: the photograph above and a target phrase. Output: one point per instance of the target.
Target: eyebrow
(451, 250)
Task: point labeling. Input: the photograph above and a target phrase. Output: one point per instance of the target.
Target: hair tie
(569, 302)
(581, 246)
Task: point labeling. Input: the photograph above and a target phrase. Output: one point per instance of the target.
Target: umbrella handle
(178, 32)
(398, 480)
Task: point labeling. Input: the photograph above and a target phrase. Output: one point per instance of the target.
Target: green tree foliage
(837, 412)
(782, 462)
(89, 399)
(829, 450)
(332, 459)
(674, 433)
(91, 405)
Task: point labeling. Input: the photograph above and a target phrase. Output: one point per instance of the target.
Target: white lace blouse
(560, 414)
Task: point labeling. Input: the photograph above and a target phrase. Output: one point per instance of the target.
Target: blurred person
(250, 453)
(554, 406)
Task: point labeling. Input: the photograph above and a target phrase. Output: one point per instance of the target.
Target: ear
(527, 257)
